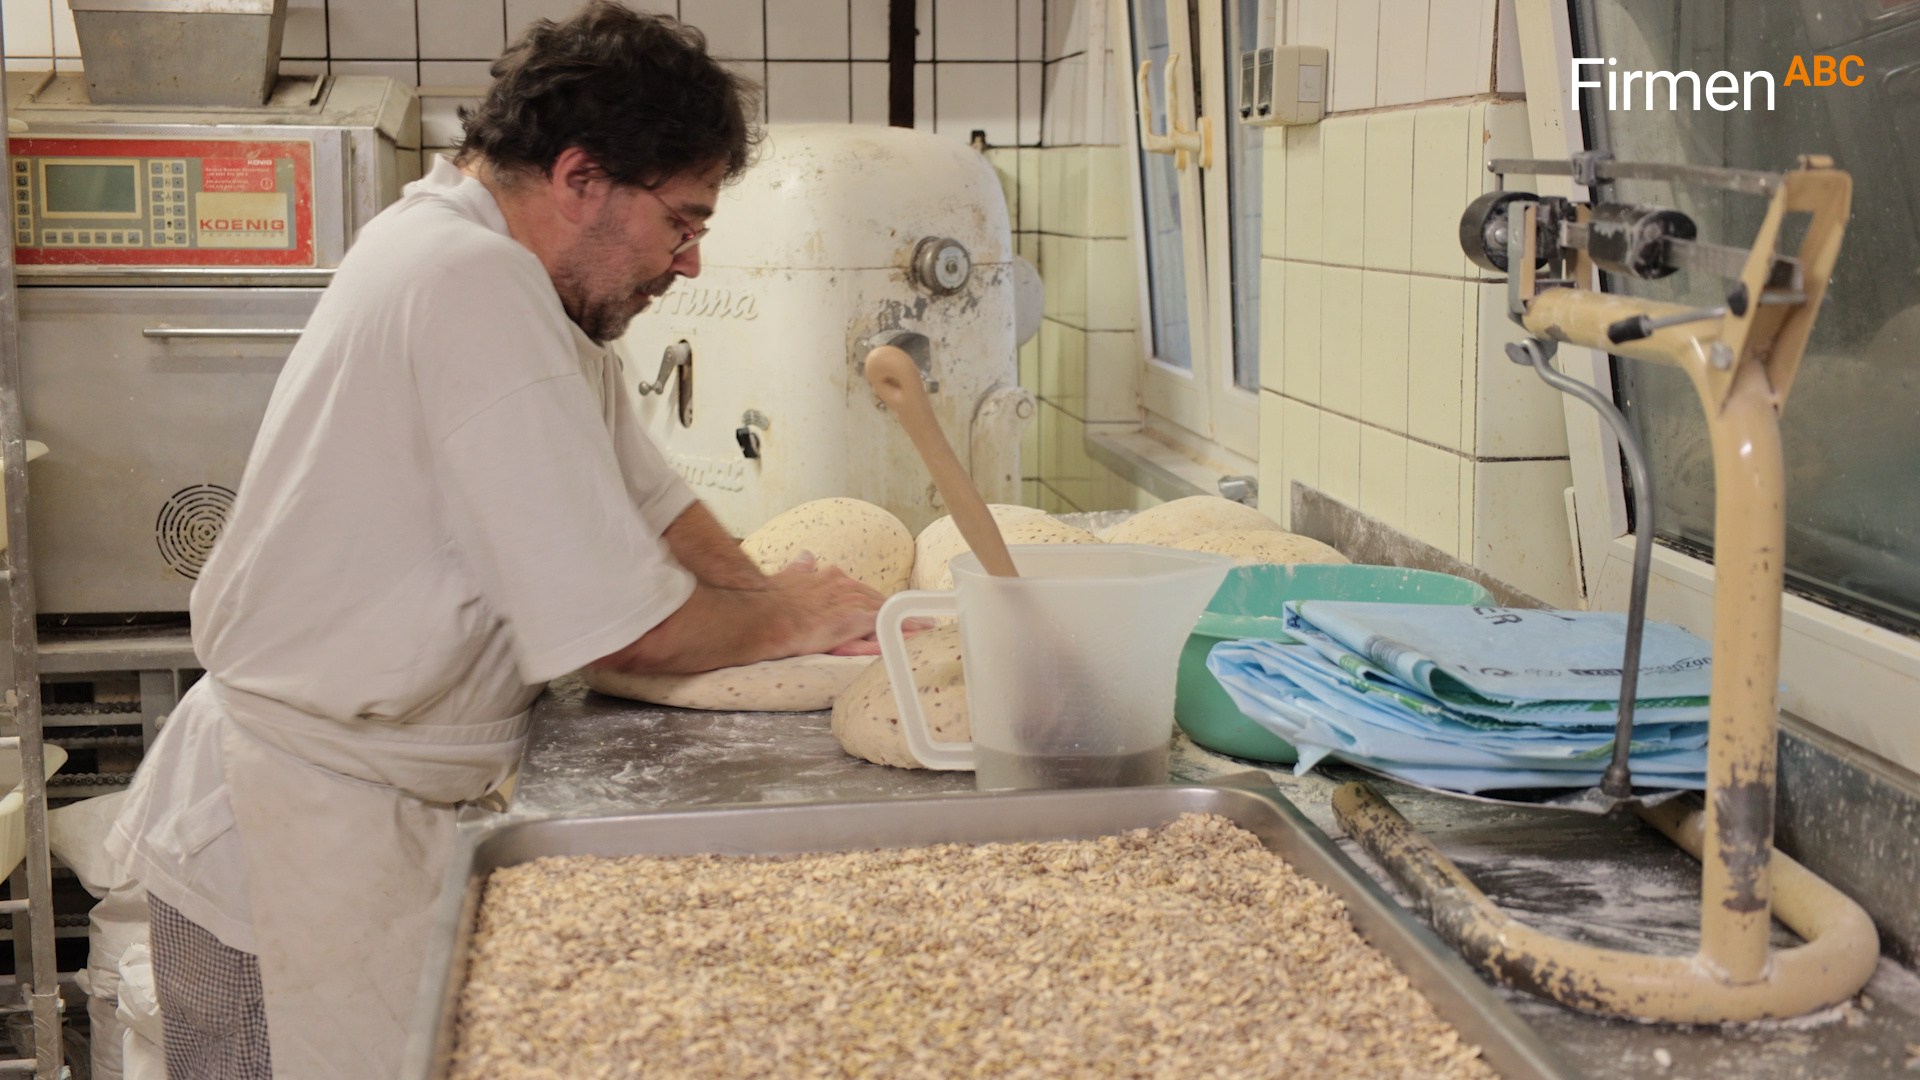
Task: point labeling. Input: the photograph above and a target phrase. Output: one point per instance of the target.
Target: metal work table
(1595, 879)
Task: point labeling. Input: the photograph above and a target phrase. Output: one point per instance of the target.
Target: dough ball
(866, 719)
(866, 541)
(1262, 546)
(796, 684)
(1170, 522)
(941, 541)
(1040, 530)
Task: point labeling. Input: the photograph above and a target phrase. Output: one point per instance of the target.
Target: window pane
(1852, 427)
(1243, 199)
(1160, 187)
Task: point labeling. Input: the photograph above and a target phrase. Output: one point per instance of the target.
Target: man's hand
(803, 609)
(867, 644)
(836, 610)
(870, 645)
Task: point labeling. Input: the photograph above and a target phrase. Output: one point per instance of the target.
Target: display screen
(91, 188)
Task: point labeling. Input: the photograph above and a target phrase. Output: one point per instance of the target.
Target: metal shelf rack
(36, 969)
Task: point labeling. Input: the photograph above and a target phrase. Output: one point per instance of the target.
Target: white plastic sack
(104, 1039)
(142, 1046)
(76, 835)
(139, 1003)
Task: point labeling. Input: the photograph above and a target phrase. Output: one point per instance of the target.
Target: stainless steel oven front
(168, 261)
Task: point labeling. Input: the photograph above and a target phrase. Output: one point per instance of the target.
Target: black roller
(1630, 239)
(1483, 230)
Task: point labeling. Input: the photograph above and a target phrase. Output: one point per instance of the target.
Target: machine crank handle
(678, 355)
(1640, 326)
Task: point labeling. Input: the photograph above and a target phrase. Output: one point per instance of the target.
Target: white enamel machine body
(841, 237)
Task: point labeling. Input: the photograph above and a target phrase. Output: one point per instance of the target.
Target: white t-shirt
(448, 504)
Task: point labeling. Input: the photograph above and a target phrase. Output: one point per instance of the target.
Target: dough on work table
(941, 541)
(866, 719)
(1168, 523)
(871, 545)
(864, 540)
(1262, 546)
(795, 684)
(1045, 529)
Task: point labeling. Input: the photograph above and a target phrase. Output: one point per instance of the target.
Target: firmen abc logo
(1825, 72)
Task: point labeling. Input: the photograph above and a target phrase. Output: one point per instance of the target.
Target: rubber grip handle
(1629, 329)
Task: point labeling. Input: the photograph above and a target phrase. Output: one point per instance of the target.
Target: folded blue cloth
(1473, 699)
(1486, 656)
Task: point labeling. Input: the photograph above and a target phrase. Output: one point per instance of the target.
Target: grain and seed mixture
(1188, 950)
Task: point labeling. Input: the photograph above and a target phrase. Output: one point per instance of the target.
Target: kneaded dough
(1262, 546)
(864, 540)
(941, 541)
(1191, 516)
(1040, 530)
(871, 545)
(796, 684)
(866, 718)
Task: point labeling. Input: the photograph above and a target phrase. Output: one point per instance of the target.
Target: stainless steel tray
(1468, 1004)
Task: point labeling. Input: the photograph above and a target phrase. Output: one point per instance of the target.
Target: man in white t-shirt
(448, 504)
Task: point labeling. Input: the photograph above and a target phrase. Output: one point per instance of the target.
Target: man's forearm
(716, 627)
(700, 544)
(801, 611)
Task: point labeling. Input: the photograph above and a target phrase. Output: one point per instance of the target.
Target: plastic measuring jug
(1069, 667)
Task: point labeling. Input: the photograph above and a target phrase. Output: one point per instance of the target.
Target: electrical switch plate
(1284, 85)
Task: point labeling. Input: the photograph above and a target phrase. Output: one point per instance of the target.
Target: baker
(449, 503)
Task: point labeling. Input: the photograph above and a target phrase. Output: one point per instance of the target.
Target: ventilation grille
(190, 521)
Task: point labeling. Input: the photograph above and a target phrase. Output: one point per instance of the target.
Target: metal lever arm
(1617, 780)
(1639, 326)
(678, 355)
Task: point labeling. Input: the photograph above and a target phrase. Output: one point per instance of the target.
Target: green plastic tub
(1248, 605)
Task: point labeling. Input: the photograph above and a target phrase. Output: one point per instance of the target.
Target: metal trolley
(39, 975)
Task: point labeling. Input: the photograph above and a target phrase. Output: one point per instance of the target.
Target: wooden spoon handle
(896, 381)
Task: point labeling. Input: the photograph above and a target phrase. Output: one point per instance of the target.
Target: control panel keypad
(22, 204)
(167, 202)
(227, 202)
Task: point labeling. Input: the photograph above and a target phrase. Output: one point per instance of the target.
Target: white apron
(347, 834)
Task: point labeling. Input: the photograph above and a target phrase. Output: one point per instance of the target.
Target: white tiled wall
(1385, 384)
(1072, 219)
(820, 60)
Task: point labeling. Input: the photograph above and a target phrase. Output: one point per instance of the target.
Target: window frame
(1848, 676)
(1200, 410)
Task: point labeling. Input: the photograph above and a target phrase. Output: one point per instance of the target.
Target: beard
(599, 304)
(605, 315)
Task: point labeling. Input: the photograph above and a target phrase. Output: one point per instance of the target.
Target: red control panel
(109, 201)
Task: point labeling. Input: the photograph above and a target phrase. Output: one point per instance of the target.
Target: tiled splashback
(985, 65)
(1386, 386)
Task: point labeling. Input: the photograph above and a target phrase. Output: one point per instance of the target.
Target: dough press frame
(1741, 358)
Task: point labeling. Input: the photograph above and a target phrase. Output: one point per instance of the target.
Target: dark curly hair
(637, 92)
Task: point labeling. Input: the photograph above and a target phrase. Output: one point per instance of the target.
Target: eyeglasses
(690, 237)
